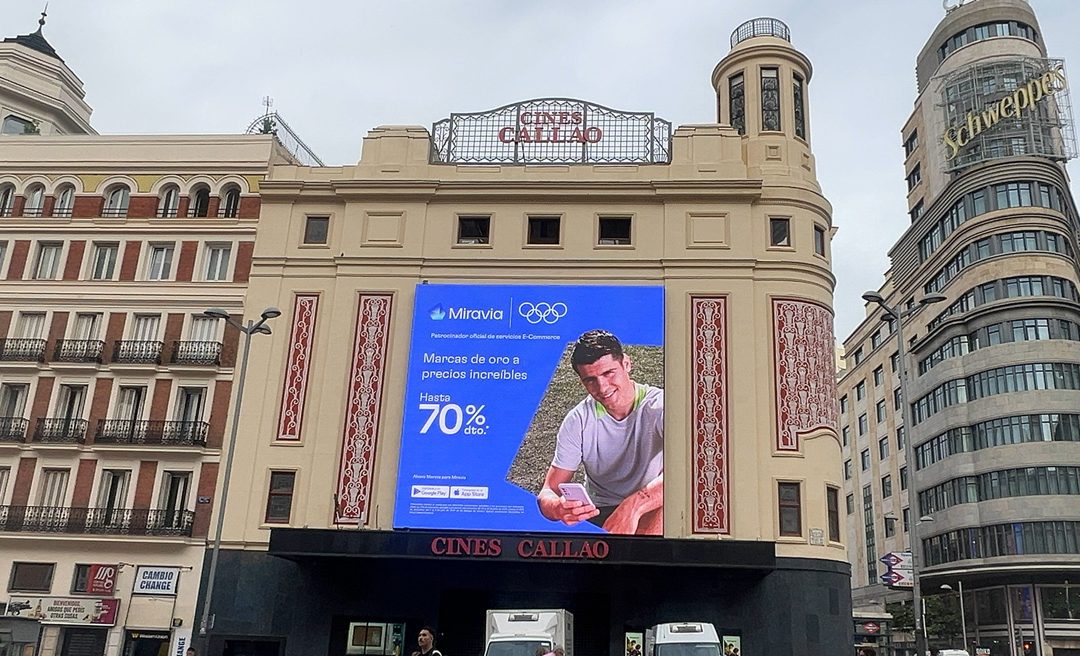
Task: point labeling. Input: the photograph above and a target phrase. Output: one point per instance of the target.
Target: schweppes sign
(1026, 97)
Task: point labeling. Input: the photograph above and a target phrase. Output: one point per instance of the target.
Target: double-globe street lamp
(898, 316)
(252, 327)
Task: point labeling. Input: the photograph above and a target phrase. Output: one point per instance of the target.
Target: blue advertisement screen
(534, 408)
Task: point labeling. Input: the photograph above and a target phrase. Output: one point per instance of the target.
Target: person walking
(426, 642)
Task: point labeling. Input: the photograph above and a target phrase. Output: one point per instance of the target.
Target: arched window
(230, 202)
(35, 201)
(7, 199)
(65, 201)
(170, 201)
(200, 201)
(116, 201)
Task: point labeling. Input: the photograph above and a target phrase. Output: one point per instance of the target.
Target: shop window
(779, 232)
(614, 231)
(544, 230)
(832, 499)
(31, 577)
(279, 498)
(474, 230)
(790, 507)
(316, 229)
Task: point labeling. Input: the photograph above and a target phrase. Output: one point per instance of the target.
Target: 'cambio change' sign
(156, 580)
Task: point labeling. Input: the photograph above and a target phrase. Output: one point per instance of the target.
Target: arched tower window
(65, 201)
(116, 201)
(230, 202)
(169, 201)
(35, 201)
(200, 201)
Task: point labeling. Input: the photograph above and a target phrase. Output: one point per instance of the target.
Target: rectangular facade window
(12, 403)
(879, 410)
(843, 404)
(886, 486)
(544, 230)
(159, 262)
(474, 230)
(903, 478)
(80, 582)
(879, 376)
(864, 459)
(896, 399)
(790, 506)
(52, 490)
(847, 470)
(832, 500)
(279, 498)
(846, 432)
(907, 519)
(103, 264)
(770, 100)
(800, 109)
(819, 240)
(883, 448)
(780, 232)
(911, 143)
(894, 361)
(851, 504)
(316, 229)
(614, 231)
(857, 357)
(31, 577)
(217, 261)
(890, 527)
(915, 177)
(864, 424)
(860, 389)
(737, 102)
(47, 264)
(3, 254)
(916, 211)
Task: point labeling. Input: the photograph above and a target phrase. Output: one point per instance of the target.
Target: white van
(682, 639)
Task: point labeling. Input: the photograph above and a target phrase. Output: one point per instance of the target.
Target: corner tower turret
(761, 90)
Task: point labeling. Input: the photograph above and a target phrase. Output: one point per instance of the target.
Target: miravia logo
(438, 313)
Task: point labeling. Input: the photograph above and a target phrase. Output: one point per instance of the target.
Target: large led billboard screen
(534, 408)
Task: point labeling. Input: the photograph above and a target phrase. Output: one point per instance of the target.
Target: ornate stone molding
(301, 339)
(710, 414)
(805, 361)
(367, 379)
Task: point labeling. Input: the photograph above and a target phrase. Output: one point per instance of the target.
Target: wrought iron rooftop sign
(551, 131)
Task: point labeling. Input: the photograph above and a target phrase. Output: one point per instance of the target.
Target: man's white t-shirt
(620, 456)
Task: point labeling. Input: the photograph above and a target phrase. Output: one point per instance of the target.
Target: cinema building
(994, 369)
(114, 389)
(395, 427)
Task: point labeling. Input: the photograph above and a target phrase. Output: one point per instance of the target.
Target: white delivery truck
(522, 632)
(683, 639)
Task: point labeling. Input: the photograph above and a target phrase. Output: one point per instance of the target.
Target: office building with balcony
(114, 388)
(994, 369)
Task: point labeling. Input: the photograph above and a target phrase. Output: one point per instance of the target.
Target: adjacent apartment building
(994, 369)
(397, 462)
(114, 389)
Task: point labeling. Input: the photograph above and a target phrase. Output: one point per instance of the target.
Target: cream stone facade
(734, 228)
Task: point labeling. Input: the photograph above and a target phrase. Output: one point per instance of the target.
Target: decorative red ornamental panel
(296, 371)
(805, 370)
(709, 397)
(367, 379)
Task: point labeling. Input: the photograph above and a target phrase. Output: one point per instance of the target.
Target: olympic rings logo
(547, 313)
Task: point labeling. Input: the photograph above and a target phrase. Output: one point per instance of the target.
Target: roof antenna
(41, 21)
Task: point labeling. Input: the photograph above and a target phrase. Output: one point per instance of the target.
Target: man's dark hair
(593, 345)
(429, 630)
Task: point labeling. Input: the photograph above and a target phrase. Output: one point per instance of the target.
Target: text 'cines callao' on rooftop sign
(1027, 96)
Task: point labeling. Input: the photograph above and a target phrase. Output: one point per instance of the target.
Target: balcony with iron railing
(13, 429)
(137, 352)
(96, 521)
(151, 432)
(78, 350)
(760, 27)
(60, 430)
(21, 349)
(205, 353)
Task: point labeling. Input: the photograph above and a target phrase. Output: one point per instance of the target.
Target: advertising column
(534, 408)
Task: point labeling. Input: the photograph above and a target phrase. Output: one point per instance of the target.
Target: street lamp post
(898, 316)
(251, 328)
(963, 617)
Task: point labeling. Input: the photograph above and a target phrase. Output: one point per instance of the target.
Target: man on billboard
(617, 433)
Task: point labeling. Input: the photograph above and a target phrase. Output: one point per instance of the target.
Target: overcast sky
(337, 68)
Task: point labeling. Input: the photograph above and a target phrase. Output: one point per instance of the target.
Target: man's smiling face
(608, 381)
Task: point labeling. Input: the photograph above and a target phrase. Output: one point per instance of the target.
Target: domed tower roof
(36, 40)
